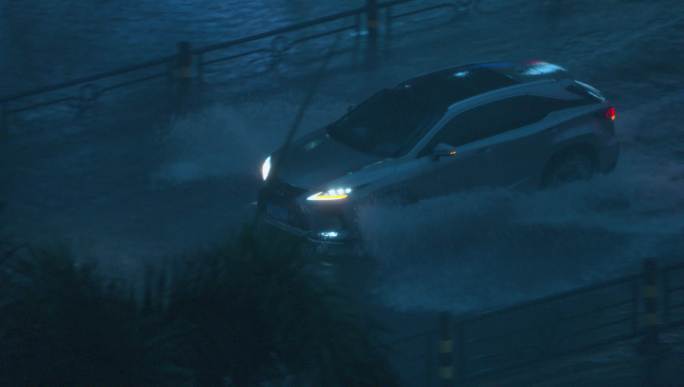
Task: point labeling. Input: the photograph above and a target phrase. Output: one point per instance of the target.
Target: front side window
(387, 124)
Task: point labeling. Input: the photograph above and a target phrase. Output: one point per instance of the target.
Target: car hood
(314, 161)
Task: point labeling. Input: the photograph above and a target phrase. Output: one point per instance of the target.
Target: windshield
(388, 124)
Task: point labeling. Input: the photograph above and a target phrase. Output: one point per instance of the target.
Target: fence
(364, 25)
(496, 345)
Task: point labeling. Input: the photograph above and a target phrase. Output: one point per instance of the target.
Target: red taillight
(611, 113)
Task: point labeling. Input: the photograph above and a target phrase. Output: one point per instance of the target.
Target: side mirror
(443, 150)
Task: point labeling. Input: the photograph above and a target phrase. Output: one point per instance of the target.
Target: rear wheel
(569, 167)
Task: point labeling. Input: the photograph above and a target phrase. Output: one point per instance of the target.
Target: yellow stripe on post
(446, 346)
(650, 291)
(446, 373)
(651, 319)
(185, 72)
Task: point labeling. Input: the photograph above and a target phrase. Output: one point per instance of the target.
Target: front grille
(282, 189)
(278, 201)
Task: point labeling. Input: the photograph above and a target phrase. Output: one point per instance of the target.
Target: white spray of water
(233, 140)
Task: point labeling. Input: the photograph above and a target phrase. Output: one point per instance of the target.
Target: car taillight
(611, 113)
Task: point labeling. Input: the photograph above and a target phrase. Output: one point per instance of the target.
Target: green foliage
(259, 312)
(62, 324)
(238, 315)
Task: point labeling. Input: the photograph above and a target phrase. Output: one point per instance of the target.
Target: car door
(497, 144)
(518, 147)
(514, 143)
(466, 133)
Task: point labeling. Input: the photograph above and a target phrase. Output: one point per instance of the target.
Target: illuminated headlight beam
(331, 194)
(266, 168)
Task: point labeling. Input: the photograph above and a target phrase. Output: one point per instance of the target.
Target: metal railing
(191, 64)
(499, 344)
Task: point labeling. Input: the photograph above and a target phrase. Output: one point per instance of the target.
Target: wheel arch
(585, 147)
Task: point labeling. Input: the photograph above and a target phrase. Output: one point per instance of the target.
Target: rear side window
(499, 117)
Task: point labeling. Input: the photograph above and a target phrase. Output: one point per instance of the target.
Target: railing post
(649, 274)
(171, 73)
(388, 30)
(372, 27)
(4, 118)
(357, 39)
(183, 74)
(446, 349)
(428, 359)
(635, 306)
(651, 347)
(200, 68)
(460, 359)
(666, 297)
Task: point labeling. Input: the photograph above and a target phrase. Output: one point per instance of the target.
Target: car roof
(458, 83)
(519, 72)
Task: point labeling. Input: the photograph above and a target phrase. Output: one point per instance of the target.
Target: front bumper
(310, 241)
(342, 265)
(324, 227)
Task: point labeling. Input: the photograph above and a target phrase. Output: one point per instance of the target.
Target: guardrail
(191, 64)
(498, 344)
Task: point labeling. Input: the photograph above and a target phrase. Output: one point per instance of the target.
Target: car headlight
(266, 168)
(331, 194)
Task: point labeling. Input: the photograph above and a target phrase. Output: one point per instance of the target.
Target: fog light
(329, 234)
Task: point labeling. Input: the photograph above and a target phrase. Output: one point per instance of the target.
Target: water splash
(233, 140)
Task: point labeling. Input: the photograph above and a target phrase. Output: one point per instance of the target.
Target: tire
(569, 167)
